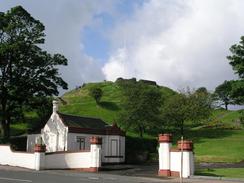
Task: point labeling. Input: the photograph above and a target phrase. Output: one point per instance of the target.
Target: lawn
(222, 172)
(218, 145)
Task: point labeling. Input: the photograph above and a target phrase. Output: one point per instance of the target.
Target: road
(67, 177)
(18, 175)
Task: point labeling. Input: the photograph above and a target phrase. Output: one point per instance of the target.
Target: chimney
(55, 106)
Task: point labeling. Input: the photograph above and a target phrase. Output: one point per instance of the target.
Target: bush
(96, 93)
(18, 143)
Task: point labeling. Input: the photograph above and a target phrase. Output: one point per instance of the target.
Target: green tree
(237, 58)
(96, 93)
(237, 63)
(223, 93)
(186, 107)
(26, 71)
(141, 106)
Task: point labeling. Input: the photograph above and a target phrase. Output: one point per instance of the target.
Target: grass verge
(222, 172)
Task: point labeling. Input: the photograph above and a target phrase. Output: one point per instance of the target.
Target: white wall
(72, 144)
(108, 155)
(56, 160)
(21, 159)
(67, 160)
(175, 161)
(188, 163)
(54, 134)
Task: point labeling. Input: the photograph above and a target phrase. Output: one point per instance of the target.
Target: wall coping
(187, 145)
(64, 152)
(167, 138)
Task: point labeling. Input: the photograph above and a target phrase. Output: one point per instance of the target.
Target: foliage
(237, 63)
(237, 92)
(185, 107)
(237, 58)
(26, 71)
(141, 106)
(223, 93)
(138, 149)
(42, 106)
(96, 93)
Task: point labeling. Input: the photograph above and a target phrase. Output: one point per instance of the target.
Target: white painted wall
(67, 160)
(21, 159)
(170, 160)
(96, 160)
(54, 134)
(175, 161)
(56, 160)
(108, 152)
(49, 135)
(164, 156)
(72, 144)
(188, 163)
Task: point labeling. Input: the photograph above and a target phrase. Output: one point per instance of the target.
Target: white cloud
(177, 43)
(64, 21)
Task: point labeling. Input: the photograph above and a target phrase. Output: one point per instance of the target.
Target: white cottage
(64, 132)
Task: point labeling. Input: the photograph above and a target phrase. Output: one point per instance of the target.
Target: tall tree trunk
(226, 106)
(5, 128)
(5, 120)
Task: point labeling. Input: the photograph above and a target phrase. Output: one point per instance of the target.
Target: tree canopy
(185, 107)
(237, 63)
(237, 58)
(26, 71)
(96, 93)
(141, 106)
(223, 93)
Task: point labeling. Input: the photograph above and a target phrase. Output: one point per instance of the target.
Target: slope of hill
(78, 101)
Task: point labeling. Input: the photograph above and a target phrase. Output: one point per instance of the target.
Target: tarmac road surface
(19, 175)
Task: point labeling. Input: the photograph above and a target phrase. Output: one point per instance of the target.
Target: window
(81, 143)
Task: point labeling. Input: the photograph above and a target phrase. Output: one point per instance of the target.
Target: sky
(177, 43)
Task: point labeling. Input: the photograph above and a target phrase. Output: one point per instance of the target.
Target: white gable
(54, 134)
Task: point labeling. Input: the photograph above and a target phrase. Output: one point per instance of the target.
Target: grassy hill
(80, 103)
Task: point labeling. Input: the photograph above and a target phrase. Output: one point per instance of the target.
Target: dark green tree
(26, 71)
(186, 107)
(96, 93)
(202, 90)
(237, 63)
(223, 93)
(237, 58)
(141, 106)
